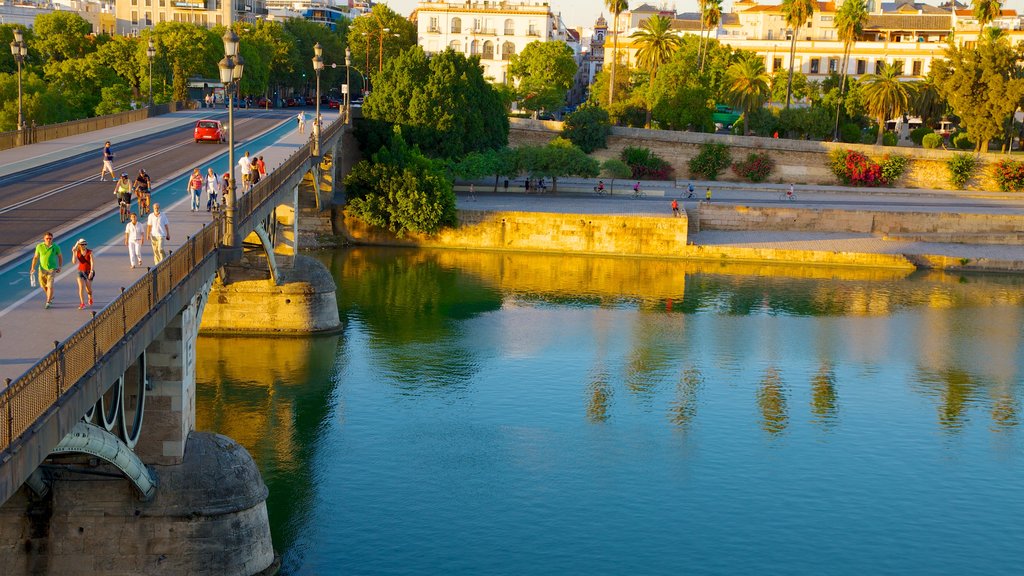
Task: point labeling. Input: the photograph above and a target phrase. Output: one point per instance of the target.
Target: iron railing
(33, 134)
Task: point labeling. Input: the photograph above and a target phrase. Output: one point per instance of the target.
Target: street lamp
(348, 84)
(380, 49)
(318, 65)
(19, 50)
(150, 53)
(366, 65)
(231, 68)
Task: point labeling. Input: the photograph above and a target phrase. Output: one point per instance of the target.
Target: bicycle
(143, 200)
(599, 190)
(788, 195)
(639, 193)
(125, 207)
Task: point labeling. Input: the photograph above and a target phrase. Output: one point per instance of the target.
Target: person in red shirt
(261, 167)
(82, 256)
(675, 207)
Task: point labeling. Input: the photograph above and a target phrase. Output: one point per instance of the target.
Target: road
(37, 200)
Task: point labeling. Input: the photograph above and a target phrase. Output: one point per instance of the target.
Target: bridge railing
(29, 397)
(34, 134)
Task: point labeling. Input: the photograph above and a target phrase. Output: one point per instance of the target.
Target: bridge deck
(28, 331)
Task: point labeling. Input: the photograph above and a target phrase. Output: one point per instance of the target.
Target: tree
(280, 50)
(401, 190)
(616, 7)
(62, 35)
(588, 127)
(443, 103)
(306, 35)
(7, 64)
(656, 44)
(710, 17)
(797, 13)
(626, 100)
(885, 96)
(558, 158)
(190, 50)
(121, 54)
(687, 108)
(613, 168)
(849, 23)
(986, 11)
(365, 34)
(544, 72)
(981, 85)
(748, 86)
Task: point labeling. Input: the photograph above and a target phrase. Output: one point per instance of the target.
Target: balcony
(433, 30)
(482, 32)
(488, 54)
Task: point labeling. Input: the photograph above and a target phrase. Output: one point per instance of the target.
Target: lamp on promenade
(348, 85)
(19, 50)
(318, 65)
(150, 53)
(231, 68)
(366, 65)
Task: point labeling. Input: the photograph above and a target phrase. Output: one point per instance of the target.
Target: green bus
(724, 115)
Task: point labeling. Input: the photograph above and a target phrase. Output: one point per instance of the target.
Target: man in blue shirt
(108, 162)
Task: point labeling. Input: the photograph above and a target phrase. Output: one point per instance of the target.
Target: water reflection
(272, 395)
(684, 409)
(824, 398)
(771, 400)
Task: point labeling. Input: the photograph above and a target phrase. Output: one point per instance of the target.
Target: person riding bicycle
(123, 191)
(636, 187)
(689, 190)
(789, 193)
(142, 190)
(600, 186)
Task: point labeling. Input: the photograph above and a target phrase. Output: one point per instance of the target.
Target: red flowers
(855, 168)
(1009, 174)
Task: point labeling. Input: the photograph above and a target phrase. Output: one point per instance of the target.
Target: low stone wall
(541, 232)
(796, 161)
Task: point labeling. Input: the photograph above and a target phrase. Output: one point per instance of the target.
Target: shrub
(869, 135)
(850, 133)
(893, 167)
(710, 161)
(962, 141)
(889, 139)
(763, 122)
(645, 164)
(961, 168)
(756, 168)
(931, 141)
(918, 134)
(588, 128)
(1009, 174)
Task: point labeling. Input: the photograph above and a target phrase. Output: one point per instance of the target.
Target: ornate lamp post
(150, 53)
(348, 84)
(19, 50)
(231, 68)
(318, 65)
(366, 65)
(380, 48)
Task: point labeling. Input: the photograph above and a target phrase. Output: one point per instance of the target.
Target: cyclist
(123, 193)
(789, 193)
(636, 188)
(600, 187)
(689, 190)
(142, 191)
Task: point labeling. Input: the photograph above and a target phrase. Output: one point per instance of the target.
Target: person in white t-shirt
(245, 167)
(158, 229)
(134, 236)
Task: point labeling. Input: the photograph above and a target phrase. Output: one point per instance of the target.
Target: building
(136, 15)
(326, 12)
(23, 13)
(493, 30)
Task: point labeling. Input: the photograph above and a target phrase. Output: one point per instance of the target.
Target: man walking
(158, 229)
(134, 236)
(50, 261)
(245, 168)
(302, 122)
(108, 162)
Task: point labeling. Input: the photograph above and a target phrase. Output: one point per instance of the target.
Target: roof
(911, 7)
(818, 7)
(970, 13)
(907, 22)
(682, 25)
(645, 8)
(574, 35)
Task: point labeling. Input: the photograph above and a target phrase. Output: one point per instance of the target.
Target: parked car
(263, 102)
(208, 131)
(289, 102)
(724, 116)
(333, 103)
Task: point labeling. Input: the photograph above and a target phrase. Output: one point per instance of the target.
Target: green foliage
(364, 39)
(588, 127)
(543, 72)
(931, 140)
(556, 159)
(889, 139)
(711, 161)
(443, 103)
(982, 84)
(855, 168)
(815, 122)
(763, 122)
(304, 35)
(279, 50)
(850, 133)
(961, 168)
(894, 166)
(688, 108)
(615, 168)
(116, 98)
(401, 190)
(756, 168)
(1009, 174)
(62, 35)
(646, 165)
(962, 141)
(918, 134)
(747, 84)
(779, 80)
(190, 50)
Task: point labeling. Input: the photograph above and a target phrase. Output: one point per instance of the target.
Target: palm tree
(747, 85)
(849, 23)
(711, 17)
(702, 5)
(616, 7)
(656, 44)
(797, 13)
(885, 96)
(986, 11)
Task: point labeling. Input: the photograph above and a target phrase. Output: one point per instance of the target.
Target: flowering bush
(756, 168)
(710, 161)
(1009, 174)
(856, 169)
(961, 168)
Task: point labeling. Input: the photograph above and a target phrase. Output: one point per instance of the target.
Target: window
(879, 64)
(833, 64)
(456, 25)
(163, 17)
(898, 64)
(815, 64)
(510, 27)
(776, 63)
(474, 48)
(149, 2)
(862, 66)
(917, 68)
(147, 22)
(135, 2)
(488, 50)
(508, 50)
(163, 3)
(532, 31)
(433, 27)
(456, 46)
(135, 18)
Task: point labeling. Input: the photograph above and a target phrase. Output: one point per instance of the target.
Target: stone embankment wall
(796, 161)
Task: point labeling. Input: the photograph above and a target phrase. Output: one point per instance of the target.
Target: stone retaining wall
(796, 161)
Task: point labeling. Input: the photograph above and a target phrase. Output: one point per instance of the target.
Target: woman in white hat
(82, 256)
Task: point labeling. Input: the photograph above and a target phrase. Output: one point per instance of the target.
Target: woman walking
(195, 188)
(212, 186)
(82, 256)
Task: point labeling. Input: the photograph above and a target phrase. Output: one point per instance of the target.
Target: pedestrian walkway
(28, 332)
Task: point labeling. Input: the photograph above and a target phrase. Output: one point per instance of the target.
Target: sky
(583, 13)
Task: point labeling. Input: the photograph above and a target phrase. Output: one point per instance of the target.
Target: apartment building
(493, 30)
(136, 15)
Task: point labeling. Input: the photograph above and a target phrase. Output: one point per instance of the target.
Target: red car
(208, 130)
(263, 102)
(332, 103)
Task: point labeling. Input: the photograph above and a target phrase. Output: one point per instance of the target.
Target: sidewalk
(29, 331)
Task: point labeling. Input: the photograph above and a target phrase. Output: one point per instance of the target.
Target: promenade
(27, 330)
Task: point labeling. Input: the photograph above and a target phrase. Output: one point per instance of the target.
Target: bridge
(134, 360)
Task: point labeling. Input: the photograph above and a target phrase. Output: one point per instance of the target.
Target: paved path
(27, 331)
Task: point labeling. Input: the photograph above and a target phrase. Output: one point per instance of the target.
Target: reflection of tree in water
(771, 400)
(650, 355)
(599, 397)
(1005, 410)
(824, 399)
(684, 408)
(957, 390)
(412, 307)
(273, 403)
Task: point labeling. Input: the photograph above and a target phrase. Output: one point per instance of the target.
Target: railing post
(57, 366)
(95, 344)
(152, 287)
(124, 316)
(10, 414)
